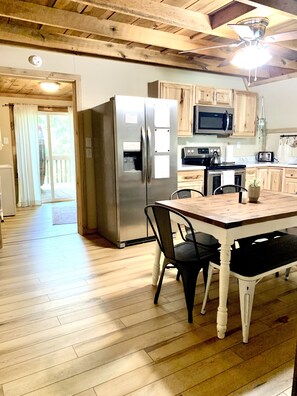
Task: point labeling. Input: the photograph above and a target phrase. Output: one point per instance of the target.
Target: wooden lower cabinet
(275, 179)
(262, 176)
(191, 179)
(270, 178)
(250, 175)
(290, 180)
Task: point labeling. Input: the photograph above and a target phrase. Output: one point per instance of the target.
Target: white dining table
(228, 220)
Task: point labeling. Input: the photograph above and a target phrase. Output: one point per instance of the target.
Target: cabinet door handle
(181, 96)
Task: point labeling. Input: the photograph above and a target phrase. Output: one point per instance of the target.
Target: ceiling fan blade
(212, 47)
(243, 31)
(281, 37)
(227, 60)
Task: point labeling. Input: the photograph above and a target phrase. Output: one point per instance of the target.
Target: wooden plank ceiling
(152, 31)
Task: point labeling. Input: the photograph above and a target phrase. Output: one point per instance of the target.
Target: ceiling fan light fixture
(49, 86)
(251, 57)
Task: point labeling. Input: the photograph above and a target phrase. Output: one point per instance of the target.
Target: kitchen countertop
(248, 165)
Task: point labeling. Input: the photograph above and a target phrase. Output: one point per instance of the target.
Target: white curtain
(287, 149)
(27, 151)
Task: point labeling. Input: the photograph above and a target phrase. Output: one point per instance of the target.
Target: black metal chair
(228, 188)
(187, 257)
(249, 264)
(202, 239)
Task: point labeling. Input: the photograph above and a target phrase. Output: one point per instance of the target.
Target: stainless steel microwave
(210, 120)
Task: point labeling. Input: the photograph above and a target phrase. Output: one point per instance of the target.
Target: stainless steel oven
(213, 179)
(213, 173)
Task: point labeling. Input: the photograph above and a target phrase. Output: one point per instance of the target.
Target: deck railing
(62, 169)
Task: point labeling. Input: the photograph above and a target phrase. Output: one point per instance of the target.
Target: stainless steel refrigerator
(135, 157)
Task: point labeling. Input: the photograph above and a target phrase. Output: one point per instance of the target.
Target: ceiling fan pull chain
(255, 76)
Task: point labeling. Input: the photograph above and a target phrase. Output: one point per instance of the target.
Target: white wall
(279, 103)
(280, 112)
(103, 78)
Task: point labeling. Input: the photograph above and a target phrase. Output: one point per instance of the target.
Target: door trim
(75, 80)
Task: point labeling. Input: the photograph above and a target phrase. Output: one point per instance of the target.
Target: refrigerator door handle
(149, 155)
(144, 155)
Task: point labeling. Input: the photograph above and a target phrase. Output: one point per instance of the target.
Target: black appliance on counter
(213, 173)
(265, 156)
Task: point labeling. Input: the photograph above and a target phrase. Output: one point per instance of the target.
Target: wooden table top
(225, 211)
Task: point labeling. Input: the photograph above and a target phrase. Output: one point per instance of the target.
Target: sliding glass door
(57, 160)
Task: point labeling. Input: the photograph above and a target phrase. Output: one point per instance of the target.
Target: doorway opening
(57, 157)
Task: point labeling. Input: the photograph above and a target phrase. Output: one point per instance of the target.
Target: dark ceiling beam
(228, 13)
(289, 6)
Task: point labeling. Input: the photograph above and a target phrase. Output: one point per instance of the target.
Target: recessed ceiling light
(49, 86)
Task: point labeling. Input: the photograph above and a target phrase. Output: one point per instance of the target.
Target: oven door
(213, 179)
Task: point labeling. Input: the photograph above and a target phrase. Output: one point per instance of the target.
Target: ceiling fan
(251, 31)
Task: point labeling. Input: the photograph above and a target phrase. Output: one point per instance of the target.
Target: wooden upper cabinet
(204, 95)
(245, 114)
(213, 96)
(224, 97)
(183, 93)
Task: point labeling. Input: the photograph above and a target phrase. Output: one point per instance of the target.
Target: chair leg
(246, 296)
(189, 282)
(178, 275)
(287, 273)
(205, 274)
(206, 292)
(165, 262)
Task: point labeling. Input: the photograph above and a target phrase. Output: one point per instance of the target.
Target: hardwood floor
(77, 318)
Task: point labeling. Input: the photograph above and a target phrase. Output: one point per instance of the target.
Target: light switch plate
(88, 142)
(88, 153)
(5, 140)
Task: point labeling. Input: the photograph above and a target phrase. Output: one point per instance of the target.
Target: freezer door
(130, 167)
(161, 127)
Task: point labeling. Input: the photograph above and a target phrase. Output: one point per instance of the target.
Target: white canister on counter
(229, 153)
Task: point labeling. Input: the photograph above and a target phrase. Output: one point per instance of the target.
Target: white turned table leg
(156, 267)
(222, 315)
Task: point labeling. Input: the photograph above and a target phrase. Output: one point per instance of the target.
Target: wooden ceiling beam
(43, 15)
(61, 42)
(154, 11)
(288, 6)
(228, 13)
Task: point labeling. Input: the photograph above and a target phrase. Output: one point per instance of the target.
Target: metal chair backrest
(186, 193)
(228, 188)
(159, 218)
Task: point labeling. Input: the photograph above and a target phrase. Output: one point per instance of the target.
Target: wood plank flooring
(77, 318)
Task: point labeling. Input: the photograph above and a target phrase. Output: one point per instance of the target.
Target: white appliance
(7, 191)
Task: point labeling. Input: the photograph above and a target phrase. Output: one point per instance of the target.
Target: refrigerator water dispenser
(132, 161)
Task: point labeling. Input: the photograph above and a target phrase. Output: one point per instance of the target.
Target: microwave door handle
(149, 155)
(226, 117)
(196, 119)
(144, 155)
